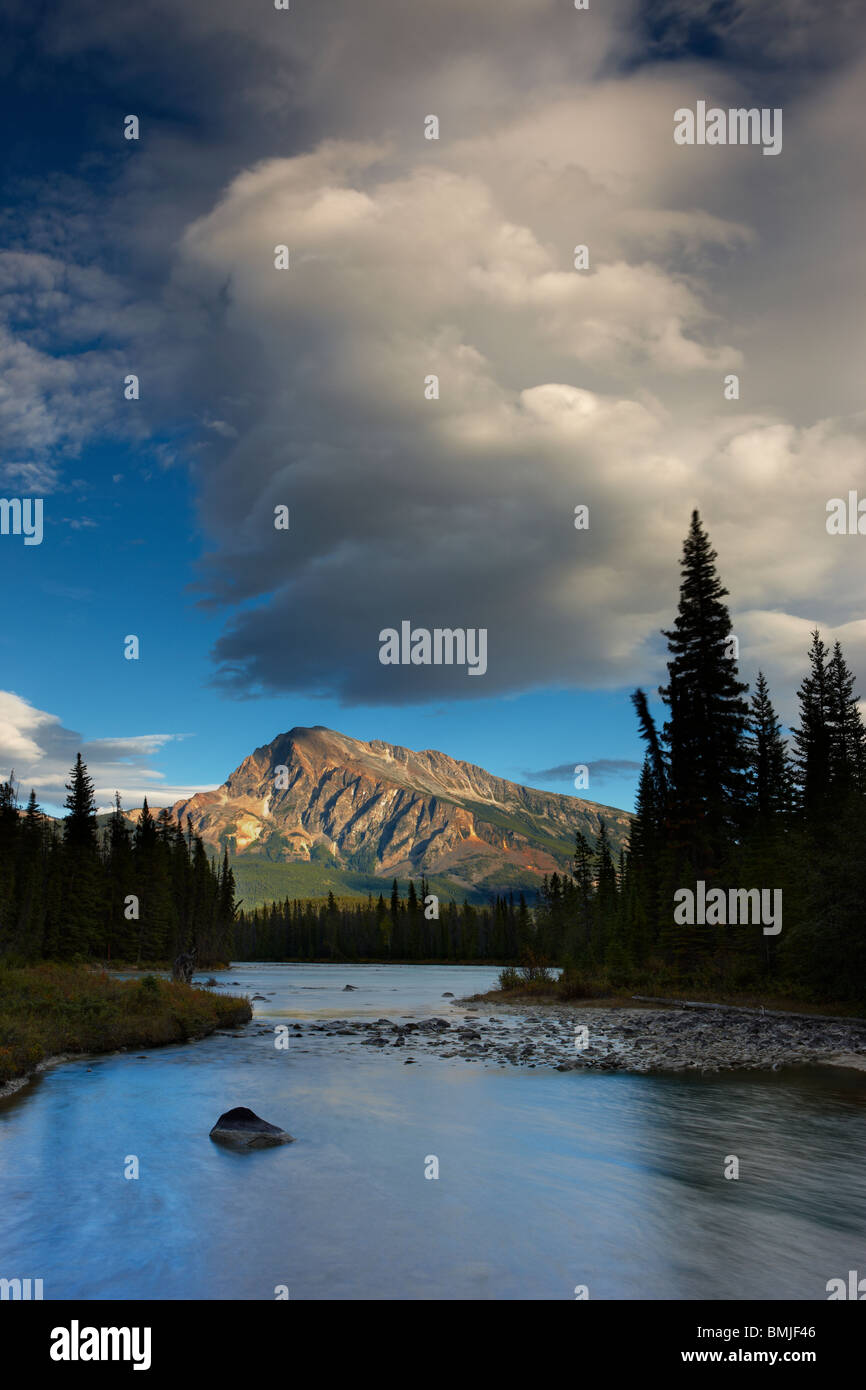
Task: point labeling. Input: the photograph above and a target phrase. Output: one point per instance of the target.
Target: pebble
(632, 1040)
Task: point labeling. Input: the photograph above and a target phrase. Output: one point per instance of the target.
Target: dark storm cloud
(453, 258)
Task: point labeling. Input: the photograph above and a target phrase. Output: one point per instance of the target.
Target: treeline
(148, 894)
(414, 927)
(724, 799)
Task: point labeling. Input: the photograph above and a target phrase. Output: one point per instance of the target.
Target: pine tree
(845, 732)
(83, 887)
(705, 732)
(121, 932)
(769, 774)
(584, 858)
(606, 891)
(79, 827)
(31, 876)
(641, 891)
(812, 738)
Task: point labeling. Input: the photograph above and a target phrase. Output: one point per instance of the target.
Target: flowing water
(547, 1180)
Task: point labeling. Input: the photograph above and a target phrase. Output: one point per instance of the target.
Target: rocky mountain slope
(316, 796)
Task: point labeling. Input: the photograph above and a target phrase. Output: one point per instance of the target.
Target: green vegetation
(259, 880)
(397, 929)
(723, 801)
(46, 1010)
(541, 985)
(147, 894)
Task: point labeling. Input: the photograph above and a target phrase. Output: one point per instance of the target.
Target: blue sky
(132, 571)
(412, 257)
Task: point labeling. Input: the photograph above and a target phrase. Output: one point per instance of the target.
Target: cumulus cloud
(454, 258)
(40, 750)
(556, 388)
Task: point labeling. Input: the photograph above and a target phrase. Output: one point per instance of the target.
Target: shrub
(509, 978)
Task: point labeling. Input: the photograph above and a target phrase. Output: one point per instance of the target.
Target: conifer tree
(769, 774)
(846, 735)
(812, 738)
(83, 886)
(9, 833)
(79, 827)
(705, 731)
(606, 890)
(583, 877)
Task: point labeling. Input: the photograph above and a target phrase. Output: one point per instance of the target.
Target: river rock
(243, 1129)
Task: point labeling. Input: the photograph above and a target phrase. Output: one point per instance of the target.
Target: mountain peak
(313, 793)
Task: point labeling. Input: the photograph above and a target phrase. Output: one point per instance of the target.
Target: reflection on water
(546, 1179)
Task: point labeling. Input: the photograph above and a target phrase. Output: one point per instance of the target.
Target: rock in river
(245, 1130)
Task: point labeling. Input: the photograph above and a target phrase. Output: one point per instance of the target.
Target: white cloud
(41, 752)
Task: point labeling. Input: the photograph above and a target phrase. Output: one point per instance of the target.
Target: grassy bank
(534, 985)
(50, 1009)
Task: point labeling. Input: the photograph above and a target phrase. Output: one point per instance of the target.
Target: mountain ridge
(314, 795)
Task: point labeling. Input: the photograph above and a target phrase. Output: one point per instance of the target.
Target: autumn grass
(47, 1009)
(599, 988)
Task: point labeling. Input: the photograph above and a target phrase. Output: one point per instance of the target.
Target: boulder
(447, 994)
(245, 1130)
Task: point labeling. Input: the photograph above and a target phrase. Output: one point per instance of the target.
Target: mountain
(351, 816)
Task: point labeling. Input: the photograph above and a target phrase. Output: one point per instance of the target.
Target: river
(547, 1181)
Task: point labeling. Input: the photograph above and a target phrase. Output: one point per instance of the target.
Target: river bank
(609, 1036)
(49, 1013)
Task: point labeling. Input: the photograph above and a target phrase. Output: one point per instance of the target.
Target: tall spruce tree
(705, 732)
(79, 827)
(812, 737)
(846, 735)
(83, 889)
